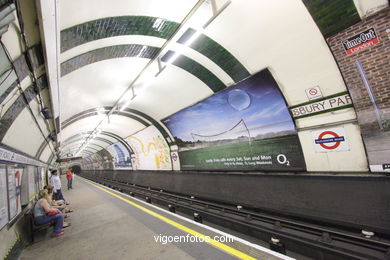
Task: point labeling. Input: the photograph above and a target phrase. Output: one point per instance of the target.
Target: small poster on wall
(42, 179)
(3, 198)
(14, 188)
(31, 181)
(360, 41)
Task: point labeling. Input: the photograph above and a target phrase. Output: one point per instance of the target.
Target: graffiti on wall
(151, 150)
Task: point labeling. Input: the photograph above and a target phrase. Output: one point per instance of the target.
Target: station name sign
(9, 156)
(327, 104)
(361, 41)
(69, 159)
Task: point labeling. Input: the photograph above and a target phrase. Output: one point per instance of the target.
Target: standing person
(69, 177)
(56, 182)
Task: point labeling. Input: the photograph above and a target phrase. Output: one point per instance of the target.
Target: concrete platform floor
(106, 227)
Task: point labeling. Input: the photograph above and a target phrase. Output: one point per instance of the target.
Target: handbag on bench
(52, 212)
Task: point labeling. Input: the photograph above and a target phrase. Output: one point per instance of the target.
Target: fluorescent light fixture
(101, 111)
(216, 13)
(142, 51)
(158, 24)
(187, 43)
(127, 103)
(193, 37)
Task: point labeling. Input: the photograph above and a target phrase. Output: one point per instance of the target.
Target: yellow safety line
(219, 245)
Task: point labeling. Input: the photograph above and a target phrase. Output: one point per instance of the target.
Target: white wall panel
(174, 10)
(97, 85)
(366, 8)
(119, 125)
(174, 89)
(282, 36)
(24, 134)
(45, 154)
(11, 39)
(353, 160)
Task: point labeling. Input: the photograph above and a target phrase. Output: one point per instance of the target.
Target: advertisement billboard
(14, 190)
(121, 159)
(244, 127)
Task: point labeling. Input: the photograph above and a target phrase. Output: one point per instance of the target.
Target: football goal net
(238, 132)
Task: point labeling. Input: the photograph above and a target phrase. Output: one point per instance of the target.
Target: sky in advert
(256, 100)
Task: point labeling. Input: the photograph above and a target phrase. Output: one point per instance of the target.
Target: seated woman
(59, 204)
(41, 208)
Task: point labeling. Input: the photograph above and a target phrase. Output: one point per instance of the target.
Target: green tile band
(197, 70)
(116, 26)
(218, 54)
(151, 26)
(111, 52)
(332, 16)
(148, 52)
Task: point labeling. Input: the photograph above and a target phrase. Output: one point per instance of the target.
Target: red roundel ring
(329, 133)
(313, 91)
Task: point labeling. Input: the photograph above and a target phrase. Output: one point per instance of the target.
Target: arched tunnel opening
(76, 169)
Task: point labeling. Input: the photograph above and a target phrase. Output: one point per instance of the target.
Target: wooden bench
(36, 228)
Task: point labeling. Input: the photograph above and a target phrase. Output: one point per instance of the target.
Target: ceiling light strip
(216, 13)
(182, 24)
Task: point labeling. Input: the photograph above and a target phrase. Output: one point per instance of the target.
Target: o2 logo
(282, 159)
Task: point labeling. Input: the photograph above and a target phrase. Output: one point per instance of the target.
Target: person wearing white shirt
(56, 182)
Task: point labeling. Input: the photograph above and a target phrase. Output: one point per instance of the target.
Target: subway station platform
(107, 224)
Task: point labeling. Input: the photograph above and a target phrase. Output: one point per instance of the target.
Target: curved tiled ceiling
(127, 113)
(141, 51)
(106, 49)
(116, 68)
(113, 27)
(146, 26)
(102, 141)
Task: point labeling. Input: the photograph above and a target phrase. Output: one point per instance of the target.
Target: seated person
(41, 208)
(59, 204)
